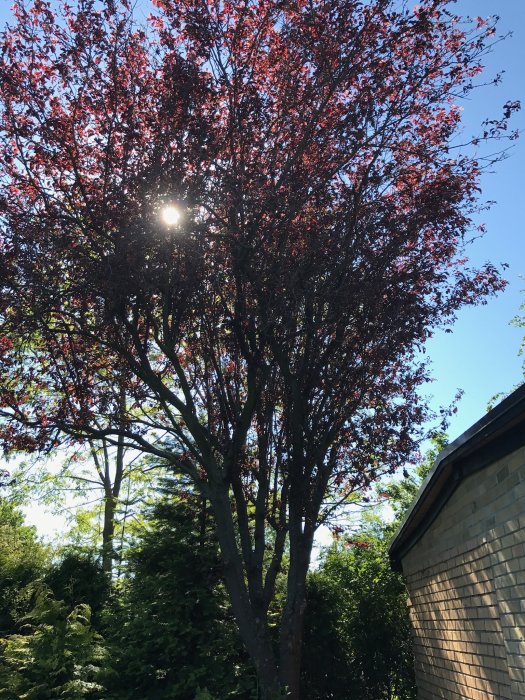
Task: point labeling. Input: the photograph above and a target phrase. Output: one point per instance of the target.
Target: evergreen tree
(173, 633)
(78, 578)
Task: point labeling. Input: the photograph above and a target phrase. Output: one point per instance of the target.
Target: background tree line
(163, 629)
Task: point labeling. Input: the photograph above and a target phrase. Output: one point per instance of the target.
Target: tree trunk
(252, 625)
(290, 642)
(108, 533)
(290, 646)
(111, 499)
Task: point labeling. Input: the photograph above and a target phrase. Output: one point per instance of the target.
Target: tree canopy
(22, 560)
(266, 342)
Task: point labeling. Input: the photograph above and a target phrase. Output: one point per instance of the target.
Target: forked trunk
(252, 625)
(111, 497)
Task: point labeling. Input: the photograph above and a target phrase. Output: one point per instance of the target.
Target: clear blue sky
(480, 356)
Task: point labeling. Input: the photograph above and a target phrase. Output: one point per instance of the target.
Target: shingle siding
(466, 580)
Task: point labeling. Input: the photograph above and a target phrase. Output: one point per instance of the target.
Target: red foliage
(267, 345)
(357, 543)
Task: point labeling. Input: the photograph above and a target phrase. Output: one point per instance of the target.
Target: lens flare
(171, 215)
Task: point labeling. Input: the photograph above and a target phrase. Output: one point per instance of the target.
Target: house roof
(499, 432)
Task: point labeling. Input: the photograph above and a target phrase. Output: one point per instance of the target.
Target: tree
(97, 484)
(173, 632)
(47, 646)
(111, 473)
(95, 477)
(267, 341)
(357, 641)
(401, 493)
(22, 560)
(78, 579)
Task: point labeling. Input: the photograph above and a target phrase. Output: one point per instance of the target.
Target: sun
(171, 215)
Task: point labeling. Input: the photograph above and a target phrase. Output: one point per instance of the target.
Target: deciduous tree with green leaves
(22, 560)
(357, 642)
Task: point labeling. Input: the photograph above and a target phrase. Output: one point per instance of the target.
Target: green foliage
(22, 560)
(174, 637)
(401, 493)
(72, 483)
(56, 655)
(168, 626)
(357, 638)
(357, 643)
(78, 579)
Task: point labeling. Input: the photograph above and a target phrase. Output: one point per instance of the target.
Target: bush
(357, 643)
(78, 579)
(56, 655)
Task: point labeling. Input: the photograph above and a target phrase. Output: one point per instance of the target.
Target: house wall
(466, 581)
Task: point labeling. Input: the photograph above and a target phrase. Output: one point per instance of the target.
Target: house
(461, 549)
